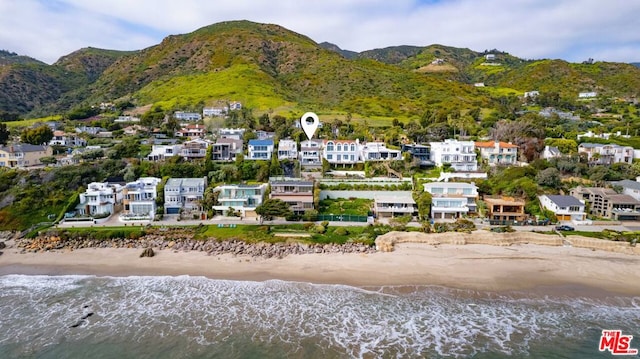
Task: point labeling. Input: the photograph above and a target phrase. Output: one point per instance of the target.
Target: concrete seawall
(386, 242)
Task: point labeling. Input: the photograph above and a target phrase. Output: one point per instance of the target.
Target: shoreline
(519, 267)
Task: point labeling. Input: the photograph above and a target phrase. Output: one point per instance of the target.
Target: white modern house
(394, 204)
(606, 154)
(378, 151)
(452, 199)
(184, 194)
(162, 152)
(260, 149)
(187, 116)
(498, 153)
(61, 138)
(214, 111)
(139, 199)
(344, 152)
(234, 133)
(460, 155)
(566, 208)
(311, 153)
(242, 198)
(287, 150)
(100, 198)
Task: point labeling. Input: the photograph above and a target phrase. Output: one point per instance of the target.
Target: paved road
(172, 221)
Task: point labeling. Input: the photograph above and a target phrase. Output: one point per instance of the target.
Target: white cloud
(574, 30)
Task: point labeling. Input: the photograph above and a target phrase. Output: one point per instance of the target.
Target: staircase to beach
(391, 171)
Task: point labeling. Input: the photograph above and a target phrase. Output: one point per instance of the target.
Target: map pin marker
(309, 122)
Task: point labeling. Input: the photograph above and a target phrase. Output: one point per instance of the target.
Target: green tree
(37, 136)
(274, 168)
(423, 201)
(128, 148)
(273, 208)
(49, 160)
(549, 177)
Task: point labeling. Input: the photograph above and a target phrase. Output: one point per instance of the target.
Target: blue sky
(574, 30)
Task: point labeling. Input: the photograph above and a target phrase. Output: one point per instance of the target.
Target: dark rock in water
(78, 323)
(3, 245)
(148, 252)
(0, 253)
(87, 315)
(85, 307)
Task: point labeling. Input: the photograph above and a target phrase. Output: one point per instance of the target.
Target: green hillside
(37, 88)
(268, 67)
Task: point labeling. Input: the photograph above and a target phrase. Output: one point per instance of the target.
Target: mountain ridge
(268, 66)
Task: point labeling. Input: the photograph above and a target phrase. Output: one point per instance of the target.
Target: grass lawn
(355, 206)
(30, 122)
(585, 234)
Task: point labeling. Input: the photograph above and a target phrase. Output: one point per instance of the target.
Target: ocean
(196, 317)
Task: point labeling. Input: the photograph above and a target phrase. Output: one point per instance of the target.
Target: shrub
(320, 229)
(325, 224)
(341, 231)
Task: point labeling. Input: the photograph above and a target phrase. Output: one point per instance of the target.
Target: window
(330, 146)
(353, 148)
(329, 157)
(339, 148)
(339, 156)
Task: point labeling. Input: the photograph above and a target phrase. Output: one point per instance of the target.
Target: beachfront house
(565, 208)
(394, 204)
(452, 199)
(241, 199)
(184, 195)
(139, 199)
(298, 194)
(505, 209)
(100, 199)
(607, 203)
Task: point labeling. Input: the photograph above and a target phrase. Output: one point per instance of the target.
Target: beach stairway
(391, 171)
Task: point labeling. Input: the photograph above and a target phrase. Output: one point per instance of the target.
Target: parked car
(564, 227)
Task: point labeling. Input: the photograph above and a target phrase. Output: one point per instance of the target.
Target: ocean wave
(41, 311)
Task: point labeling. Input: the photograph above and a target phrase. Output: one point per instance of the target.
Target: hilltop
(268, 67)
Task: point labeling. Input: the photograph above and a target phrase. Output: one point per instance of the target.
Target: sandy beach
(471, 266)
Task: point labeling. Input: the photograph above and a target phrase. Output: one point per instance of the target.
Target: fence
(341, 218)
